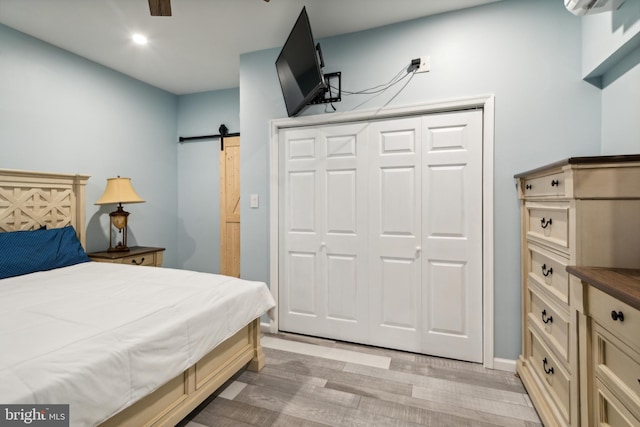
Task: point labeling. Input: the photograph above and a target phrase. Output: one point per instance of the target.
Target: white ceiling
(198, 48)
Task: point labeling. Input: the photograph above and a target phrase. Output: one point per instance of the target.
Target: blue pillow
(23, 252)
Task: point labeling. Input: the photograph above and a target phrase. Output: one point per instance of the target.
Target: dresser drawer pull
(617, 315)
(544, 366)
(546, 319)
(555, 183)
(545, 223)
(138, 263)
(545, 272)
(528, 187)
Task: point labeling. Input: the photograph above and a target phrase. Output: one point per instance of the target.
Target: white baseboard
(507, 365)
(265, 327)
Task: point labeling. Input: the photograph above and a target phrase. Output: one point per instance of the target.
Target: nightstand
(137, 255)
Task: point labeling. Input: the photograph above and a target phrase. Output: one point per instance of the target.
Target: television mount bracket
(329, 79)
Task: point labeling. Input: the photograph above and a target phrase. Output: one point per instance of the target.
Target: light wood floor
(316, 382)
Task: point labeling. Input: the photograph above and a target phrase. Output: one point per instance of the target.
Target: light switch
(254, 201)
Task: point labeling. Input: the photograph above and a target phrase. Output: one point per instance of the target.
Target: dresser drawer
(551, 321)
(146, 259)
(137, 255)
(616, 365)
(550, 271)
(609, 411)
(555, 380)
(617, 317)
(549, 223)
(548, 185)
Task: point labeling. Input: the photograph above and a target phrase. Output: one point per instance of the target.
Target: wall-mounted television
(299, 68)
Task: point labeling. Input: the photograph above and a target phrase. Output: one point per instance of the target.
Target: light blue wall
(609, 37)
(621, 110)
(259, 96)
(525, 52)
(63, 113)
(611, 53)
(198, 175)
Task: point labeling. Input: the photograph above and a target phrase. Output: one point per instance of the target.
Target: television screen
(298, 67)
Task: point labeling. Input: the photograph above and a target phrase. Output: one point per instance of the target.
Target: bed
(122, 345)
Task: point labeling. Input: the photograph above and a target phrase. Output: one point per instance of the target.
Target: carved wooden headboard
(29, 200)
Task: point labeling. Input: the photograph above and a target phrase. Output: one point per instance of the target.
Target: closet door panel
(342, 205)
(400, 288)
(301, 261)
(302, 201)
(452, 235)
(324, 241)
(303, 269)
(395, 232)
(345, 232)
(447, 293)
(342, 292)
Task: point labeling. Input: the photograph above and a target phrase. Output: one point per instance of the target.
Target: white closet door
(395, 232)
(325, 280)
(301, 291)
(452, 235)
(381, 233)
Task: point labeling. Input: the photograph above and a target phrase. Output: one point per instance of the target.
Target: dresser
(579, 211)
(136, 255)
(609, 337)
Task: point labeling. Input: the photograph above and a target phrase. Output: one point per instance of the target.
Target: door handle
(418, 251)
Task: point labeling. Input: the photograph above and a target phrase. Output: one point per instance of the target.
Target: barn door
(230, 207)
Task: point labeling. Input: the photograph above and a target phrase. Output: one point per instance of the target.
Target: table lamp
(119, 190)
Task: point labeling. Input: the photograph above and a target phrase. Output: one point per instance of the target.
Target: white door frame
(487, 103)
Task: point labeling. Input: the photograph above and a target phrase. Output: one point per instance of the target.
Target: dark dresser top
(621, 283)
(584, 160)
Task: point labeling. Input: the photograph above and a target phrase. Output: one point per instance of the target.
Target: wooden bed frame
(29, 200)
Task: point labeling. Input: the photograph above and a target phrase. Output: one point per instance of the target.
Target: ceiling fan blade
(160, 7)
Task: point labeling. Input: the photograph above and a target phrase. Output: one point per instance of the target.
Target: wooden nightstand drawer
(549, 223)
(548, 185)
(148, 259)
(137, 255)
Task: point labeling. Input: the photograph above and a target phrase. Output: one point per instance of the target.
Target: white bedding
(101, 336)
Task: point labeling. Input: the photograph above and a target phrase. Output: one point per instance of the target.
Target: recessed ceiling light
(139, 39)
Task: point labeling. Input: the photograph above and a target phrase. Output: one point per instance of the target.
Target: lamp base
(119, 220)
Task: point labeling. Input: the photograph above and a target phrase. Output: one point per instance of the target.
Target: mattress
(101, 336)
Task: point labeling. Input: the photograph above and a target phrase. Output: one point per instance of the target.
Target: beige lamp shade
(119, 190)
